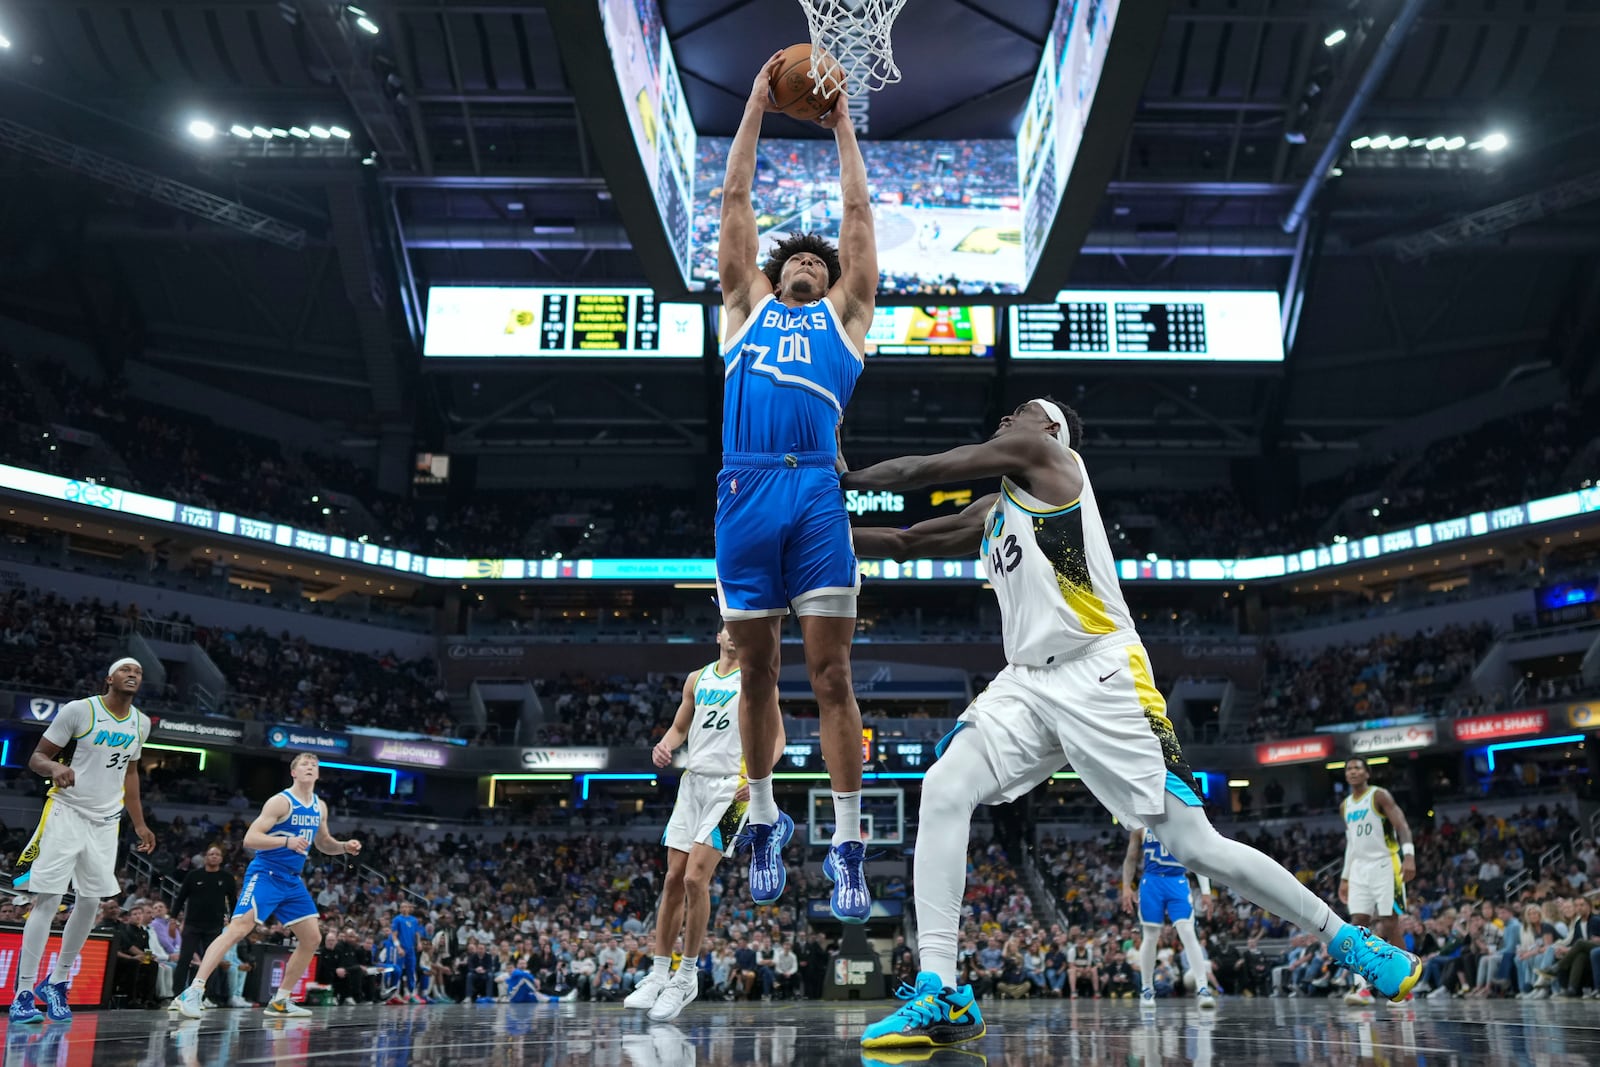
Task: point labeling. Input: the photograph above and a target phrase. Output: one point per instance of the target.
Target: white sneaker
(172, 1005)
(1359, 997)
(189, 1003)
(284, 1008)
(238, 1002)
(674, 998)
(644, 995)
(1205, 999)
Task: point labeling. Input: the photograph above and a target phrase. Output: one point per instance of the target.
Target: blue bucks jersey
(406, 928)
(788, 374)
(304, 821)
(1158, 862)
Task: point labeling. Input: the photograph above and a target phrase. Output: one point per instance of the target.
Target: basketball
(792, 88)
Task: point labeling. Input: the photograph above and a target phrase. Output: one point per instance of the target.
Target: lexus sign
(1300, 750)
(1393, 738)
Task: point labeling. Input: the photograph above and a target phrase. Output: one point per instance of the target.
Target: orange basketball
(792, 88)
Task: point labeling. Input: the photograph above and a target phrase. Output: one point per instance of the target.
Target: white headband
(123, 662)
(1051, 408)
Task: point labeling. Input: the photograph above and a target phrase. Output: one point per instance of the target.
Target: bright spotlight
(296, 131)
(1381, 141)
(5, 42)
(1334, 38)
(240, 131)
(339, 132)
(1397, 143)
(319, 133)
(202, 130)
(276, 132)
(1361, 142)
(1434, 144)
(354, 10)
(1495, 142)
(262, 132)
(1454, 143)
(368, 25)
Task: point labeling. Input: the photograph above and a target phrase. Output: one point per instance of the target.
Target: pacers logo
(1584, 716)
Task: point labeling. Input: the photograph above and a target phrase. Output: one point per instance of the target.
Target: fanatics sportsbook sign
(1299, 750)
(1510, 724)
(1393, 738)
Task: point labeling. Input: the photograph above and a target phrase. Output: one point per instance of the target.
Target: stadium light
(339, 132)
(1381, 141)
(1434, 144)
(1495, 142)
(1454, 143)
(278, 132)
(262, 132)
(319, 133)
(5, 42)
(240, 131)
(1397, 143)
(1238, 783)
(368, 25)
(1361, 142)
(181, 748)
(1335, 38)
(202, 130)
(296, 131)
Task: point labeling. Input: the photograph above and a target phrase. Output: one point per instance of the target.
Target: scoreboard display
(932, 331)
(489, 322)
(1202, 327)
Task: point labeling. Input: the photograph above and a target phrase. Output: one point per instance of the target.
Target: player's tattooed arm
(947, 537)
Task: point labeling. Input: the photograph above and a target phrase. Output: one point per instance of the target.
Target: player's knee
(696, 882)
(944, 796)
(675, 880)
(830, 681)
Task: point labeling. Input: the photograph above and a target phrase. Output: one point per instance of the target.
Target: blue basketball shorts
(783, 537)
(274, 895)
(1163, 898)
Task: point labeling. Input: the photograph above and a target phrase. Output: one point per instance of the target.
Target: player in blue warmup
(290, 823)
(796, 328)
(408, 928)
(1164, 897)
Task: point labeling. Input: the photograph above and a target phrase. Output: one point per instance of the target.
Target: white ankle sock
(763, 809)
(846, 817)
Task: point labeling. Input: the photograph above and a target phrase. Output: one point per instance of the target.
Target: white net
(856, 34)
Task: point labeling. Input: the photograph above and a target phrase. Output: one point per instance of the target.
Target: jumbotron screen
(492, 322)
(922, 330)
(947, 215)
(1142, 325)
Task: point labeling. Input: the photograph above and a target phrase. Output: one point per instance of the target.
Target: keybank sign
(859, 503)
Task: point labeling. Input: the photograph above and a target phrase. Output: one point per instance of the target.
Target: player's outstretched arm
(1016, 454)
(739, 245)
(858, 242)
(947, 537)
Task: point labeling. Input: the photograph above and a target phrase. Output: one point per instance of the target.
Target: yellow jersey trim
(1062, 510)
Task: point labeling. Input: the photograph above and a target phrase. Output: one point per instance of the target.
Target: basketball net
(856, 34)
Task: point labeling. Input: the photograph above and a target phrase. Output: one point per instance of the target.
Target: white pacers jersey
(715, 749)
(1053, 572)
(1368, 835)
(106, 746)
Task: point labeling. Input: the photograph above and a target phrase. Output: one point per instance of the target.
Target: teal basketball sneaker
(933, 1015)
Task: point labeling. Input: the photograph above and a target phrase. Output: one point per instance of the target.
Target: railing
(1549, 856)
(163, 885)
(179, 633)
(1516, 883)
(373, 872)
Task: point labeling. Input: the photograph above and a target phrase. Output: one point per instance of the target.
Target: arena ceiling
(1427, 276)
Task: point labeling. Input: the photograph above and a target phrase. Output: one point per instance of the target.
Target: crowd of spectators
(286, 679)
(54, 646)
(1387, 676)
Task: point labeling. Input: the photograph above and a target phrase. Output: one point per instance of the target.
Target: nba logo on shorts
(733, 485)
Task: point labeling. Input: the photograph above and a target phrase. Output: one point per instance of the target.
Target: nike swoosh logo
(956, 1015)
(1103, 677)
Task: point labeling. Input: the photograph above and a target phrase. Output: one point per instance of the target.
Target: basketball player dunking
(711, 801)
(796, 329)
(1076, 687)
(76, 841)
(290, 824)
(1379, 859)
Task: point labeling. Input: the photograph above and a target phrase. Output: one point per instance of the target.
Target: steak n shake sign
(1393, 738)
(1509, 724)
(1299, 750)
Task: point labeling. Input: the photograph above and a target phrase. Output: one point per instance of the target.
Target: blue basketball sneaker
(852, 900)
(54, 995)
(1389, 970)
(933, 1015)
(24, 1010)
(766, 841)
